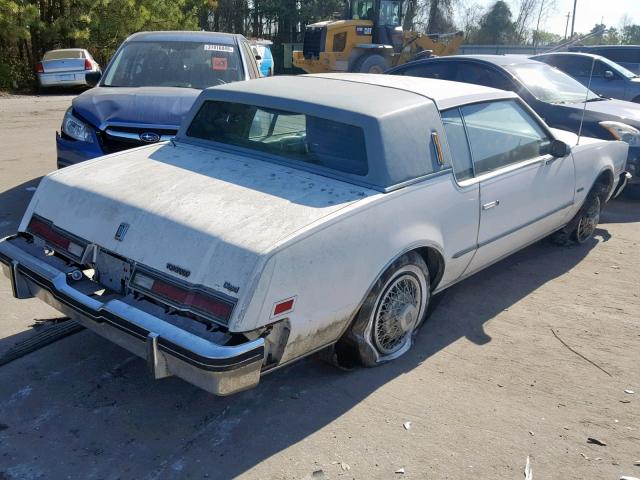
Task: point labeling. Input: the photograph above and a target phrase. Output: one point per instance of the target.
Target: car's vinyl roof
(185, 36)
(374, 95)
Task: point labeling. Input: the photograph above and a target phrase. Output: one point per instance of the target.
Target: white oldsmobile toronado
(292, 214)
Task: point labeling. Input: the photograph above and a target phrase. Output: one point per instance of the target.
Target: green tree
(542, 38)
(631, 34)
(612, 36)
(440, 17)
(496, 26)
(597, 33)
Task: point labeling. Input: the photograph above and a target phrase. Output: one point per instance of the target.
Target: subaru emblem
(121, 232)
(149, 137)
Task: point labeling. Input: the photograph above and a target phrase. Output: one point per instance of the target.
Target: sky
(589, 12)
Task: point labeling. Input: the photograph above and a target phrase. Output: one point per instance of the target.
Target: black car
(556, 97)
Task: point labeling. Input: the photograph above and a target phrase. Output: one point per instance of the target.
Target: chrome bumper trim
(169, 350)
(624, 178)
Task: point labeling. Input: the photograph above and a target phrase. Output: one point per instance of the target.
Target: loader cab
(386, 13)
(386, 16)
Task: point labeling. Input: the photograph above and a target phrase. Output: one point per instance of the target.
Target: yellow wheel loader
(369, 39)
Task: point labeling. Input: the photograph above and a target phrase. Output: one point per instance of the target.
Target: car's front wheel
(396, 306)
(588, 220)
(583, 225)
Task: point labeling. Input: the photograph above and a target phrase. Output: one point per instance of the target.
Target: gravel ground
(494, 377)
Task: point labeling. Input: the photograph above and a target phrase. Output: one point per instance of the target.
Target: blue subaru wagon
(148, 87)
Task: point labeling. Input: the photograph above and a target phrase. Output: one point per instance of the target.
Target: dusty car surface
(294, 214)
(68, 67)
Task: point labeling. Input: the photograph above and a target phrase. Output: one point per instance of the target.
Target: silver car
(69, 67)
(294, 213)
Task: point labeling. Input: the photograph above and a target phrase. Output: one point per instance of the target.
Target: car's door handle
(489, 205)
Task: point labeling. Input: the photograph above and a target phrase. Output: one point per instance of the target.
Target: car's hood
(214, 214)
(627, 112)
(103, 106)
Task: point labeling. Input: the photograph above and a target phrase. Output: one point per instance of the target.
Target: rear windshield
(63, 54)
(174, 64)
(294, 136)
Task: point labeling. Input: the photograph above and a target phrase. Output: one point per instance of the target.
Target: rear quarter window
(294, 136)
(574, 65)
(439, 70)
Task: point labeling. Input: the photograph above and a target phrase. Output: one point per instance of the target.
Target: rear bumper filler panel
(623, 179)
(168, 349)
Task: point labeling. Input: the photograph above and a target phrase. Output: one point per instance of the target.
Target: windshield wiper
(597, 99)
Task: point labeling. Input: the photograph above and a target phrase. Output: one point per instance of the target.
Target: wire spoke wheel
(395, 307)
(588, 221)
(397, 313)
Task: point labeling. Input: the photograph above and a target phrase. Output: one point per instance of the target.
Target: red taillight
(87, 64)
(193, 300)
(283, 307)
(39, 67)
(45, 231)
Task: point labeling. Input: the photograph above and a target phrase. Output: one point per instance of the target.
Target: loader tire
(371, 64)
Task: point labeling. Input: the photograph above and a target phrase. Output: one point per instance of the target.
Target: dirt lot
(487, 384)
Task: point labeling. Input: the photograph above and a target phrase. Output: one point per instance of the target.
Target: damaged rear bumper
(168, 350)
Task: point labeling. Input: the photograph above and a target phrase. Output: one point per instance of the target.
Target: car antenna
(586, 100)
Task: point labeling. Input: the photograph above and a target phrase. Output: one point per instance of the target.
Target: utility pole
(536, 39)
(566, 27)
(573, 20)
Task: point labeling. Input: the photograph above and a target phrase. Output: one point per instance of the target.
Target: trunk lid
(63, 65)
(214, 214)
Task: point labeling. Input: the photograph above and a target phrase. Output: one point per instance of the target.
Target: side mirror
(559, 149)
(258, 57)
(92, 78)
(608, 74)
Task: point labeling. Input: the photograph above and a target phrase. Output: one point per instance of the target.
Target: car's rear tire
(371, 64)
(395, 307)
(582, 227)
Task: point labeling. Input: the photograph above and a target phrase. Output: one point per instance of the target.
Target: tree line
(520, 22)
(28, 28)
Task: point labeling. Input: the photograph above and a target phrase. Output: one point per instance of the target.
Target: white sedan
(294, 214)
(67, 67)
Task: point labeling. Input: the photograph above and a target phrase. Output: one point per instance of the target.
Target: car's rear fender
(328, 269)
